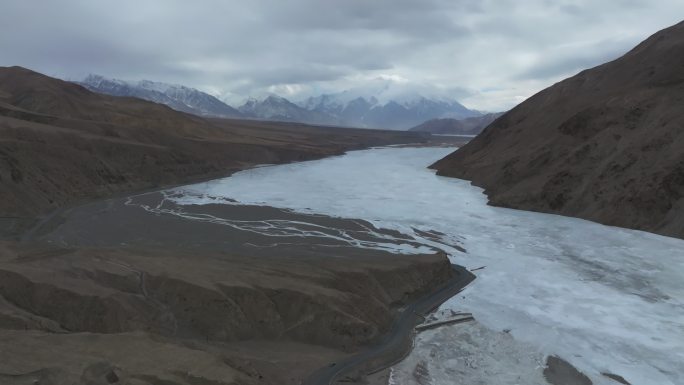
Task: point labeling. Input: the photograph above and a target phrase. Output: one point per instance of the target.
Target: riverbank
(258, 294)
(62, 145)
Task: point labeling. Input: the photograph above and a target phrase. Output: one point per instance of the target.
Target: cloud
(571, 59)
(490, 53)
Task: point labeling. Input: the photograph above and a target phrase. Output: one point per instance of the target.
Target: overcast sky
(488, 54)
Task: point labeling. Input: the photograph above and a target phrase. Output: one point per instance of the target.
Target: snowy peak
(408, 110)
(178, 97)
(101, 81)
(386, 102)
(278, 108)
(159, 87)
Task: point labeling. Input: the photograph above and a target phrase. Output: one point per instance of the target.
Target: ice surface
(605, 299)
(481, 357)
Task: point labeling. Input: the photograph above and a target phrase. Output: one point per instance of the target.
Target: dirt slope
(605, 145)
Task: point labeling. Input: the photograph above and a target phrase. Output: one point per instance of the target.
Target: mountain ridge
(278, 108)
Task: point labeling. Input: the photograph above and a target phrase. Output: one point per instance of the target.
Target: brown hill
(605, 145)
(60, 143)
(448, 126)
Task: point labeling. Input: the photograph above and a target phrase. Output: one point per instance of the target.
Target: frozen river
(605, 299)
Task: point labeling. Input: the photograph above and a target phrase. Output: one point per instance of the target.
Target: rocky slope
(448, 126)
(605, 145)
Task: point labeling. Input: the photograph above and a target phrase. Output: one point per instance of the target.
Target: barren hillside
(605, 145)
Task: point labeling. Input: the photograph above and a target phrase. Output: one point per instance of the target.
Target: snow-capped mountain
(369, 111)
(387, 102)
(278, 108)
(358, 111)
(178, 97)
(379, 104)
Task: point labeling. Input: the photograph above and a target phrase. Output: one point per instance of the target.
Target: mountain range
(180, 98)
(280, 109)
(352, 108)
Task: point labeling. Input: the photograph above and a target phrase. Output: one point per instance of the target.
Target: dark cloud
(510, 49)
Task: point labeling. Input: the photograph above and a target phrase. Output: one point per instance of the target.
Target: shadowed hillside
(605, 145)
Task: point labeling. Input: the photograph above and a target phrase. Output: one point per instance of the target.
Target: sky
(488, 54)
